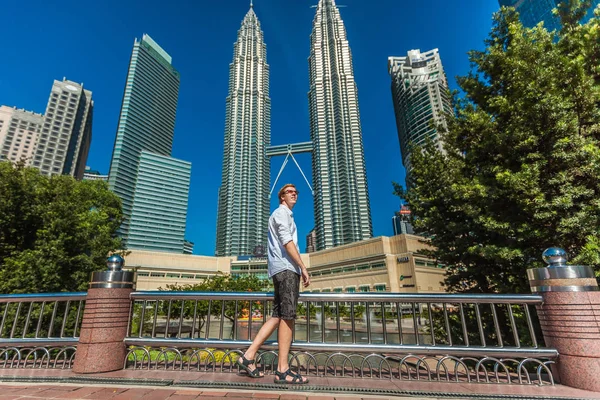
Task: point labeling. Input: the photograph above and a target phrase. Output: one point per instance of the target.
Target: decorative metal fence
(40, 330)
(455, 338)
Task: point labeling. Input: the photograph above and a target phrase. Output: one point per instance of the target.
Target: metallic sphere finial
(115, 263)
(555, 257)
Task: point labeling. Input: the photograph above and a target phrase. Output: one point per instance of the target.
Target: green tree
(54, 231)
(215, 283)
(522, 158)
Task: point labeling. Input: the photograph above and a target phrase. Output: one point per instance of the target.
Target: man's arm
(292, 252)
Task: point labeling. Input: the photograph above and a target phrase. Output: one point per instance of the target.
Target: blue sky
(91, 42)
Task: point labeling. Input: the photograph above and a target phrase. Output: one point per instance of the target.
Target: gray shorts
(287, 290)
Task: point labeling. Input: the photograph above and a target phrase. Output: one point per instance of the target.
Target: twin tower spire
(341, 200)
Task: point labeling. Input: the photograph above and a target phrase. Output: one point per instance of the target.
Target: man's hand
(305, 277)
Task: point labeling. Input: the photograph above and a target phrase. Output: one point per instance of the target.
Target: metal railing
(407, 336)
(40, 330)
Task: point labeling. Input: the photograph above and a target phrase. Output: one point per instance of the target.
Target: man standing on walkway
(285, 268)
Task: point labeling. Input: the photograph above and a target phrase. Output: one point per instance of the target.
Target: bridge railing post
(101, 345)
(570, 317)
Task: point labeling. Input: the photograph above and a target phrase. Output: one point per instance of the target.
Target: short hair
(282, 190)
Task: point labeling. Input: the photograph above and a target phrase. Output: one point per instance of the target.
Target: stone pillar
(105, 319)
(570, 318)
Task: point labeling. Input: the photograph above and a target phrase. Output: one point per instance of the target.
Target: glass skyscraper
(160, 201)
(342, 207)
(243, 208)
(143, 143)
(532, 12)
(420, 95)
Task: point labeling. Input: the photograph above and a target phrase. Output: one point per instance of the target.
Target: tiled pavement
(184, 385)
(43, 391)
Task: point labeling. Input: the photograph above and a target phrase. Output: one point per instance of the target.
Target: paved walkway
(44, 391)
(183, 385)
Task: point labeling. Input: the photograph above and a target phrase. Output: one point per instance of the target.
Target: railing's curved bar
(196, 355)
(404, 362)
(332, 358)
(497, 362)
(309, 357)
(260, 359)
(541, 365)
(165, 354)
(63, 351)
(132, 352)
(422, 360)
(505, 365)
(382, 360)
(34, 352)
(457, 362)
(227, 355)
(545, 366)
(526, 352)
(16, 356)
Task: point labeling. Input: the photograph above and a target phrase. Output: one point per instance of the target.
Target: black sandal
(245, 364)
(296, 378)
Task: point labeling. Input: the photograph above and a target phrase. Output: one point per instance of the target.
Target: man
(285, 268)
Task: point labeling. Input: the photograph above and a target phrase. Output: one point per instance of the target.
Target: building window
(380, 287)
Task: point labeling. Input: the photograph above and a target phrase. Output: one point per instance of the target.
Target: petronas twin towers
(341, 198)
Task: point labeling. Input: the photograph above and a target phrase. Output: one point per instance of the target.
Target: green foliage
(521, 160)
(215, 283)
(167, 356)
(54, 231)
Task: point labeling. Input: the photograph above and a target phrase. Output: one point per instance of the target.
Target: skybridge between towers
(288, 150)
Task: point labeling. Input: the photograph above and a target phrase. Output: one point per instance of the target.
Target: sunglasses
(292, 192)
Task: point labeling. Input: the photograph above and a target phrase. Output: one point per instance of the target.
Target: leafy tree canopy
(520, 170)
(54, 231)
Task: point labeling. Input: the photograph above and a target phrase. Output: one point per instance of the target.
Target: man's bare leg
(263, 334)
(284, 339)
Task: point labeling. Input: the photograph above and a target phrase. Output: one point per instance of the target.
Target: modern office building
(532, 12)
(421, 98)
(93, 175)
(160, 201)
(341, 200)
(382, 264)
(64, 140)
(19, 131)
(243, 202)
(142, 170)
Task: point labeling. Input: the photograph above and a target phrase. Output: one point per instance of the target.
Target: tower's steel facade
(342, 207)
(243, 209)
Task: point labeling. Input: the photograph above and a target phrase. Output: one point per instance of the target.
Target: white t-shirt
(282, 230)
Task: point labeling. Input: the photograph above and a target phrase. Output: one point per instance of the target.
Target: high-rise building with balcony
(143, 146)
(243, 199)
(341, 200)
(532, 12)
(421, 98)
(19, 131)
(64, 140)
